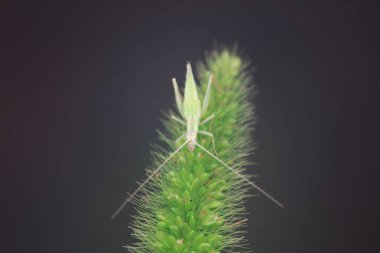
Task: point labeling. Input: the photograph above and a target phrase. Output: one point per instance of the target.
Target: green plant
(195, 204)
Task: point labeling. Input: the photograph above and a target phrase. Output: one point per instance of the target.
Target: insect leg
(180, 138)
(212, 138)
(178, 96)
(146, 181)
(207, 97)
(207, 119)
(241, 176)
(178, 120)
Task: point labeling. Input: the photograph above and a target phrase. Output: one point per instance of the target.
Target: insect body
(192, 111)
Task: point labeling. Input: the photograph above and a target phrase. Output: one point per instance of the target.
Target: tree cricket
(192, 112)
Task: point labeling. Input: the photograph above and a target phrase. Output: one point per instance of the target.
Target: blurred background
(83, 85)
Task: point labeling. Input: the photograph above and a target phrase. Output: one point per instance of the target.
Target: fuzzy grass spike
(195, 204)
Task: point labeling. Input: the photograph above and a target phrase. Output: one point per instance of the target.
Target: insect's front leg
(179, 139)
(209, 135)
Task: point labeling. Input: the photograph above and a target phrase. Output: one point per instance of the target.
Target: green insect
(192, 112)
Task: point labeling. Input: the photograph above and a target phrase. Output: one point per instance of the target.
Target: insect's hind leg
(178, 97)
(207, 119)
(209, 135)
(206, 99)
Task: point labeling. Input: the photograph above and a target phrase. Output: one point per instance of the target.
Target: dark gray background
(83, 84)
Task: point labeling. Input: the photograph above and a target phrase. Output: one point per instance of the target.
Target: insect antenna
(240, 175)
(147, 180)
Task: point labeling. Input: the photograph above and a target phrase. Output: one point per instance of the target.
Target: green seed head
(195, 204)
